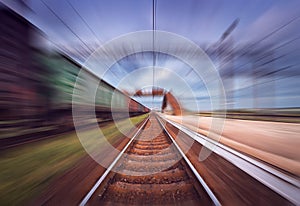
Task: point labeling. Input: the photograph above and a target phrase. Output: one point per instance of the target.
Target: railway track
(236, 177)
(150, 170)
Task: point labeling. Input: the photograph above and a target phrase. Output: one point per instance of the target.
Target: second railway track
(151, 171)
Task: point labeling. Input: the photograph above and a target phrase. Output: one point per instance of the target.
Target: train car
(107, 99)
(37, 84)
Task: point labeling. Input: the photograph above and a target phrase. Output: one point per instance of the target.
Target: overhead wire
(251, 46)
(100, 41)
(85, 22)
(65, 24)
(154, 2)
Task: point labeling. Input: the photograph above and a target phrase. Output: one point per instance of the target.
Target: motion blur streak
(254, 46)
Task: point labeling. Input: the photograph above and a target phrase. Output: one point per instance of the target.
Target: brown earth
(276, 143)
(231, 185)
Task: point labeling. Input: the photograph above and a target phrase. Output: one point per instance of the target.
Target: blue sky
(200, 21)
(264, 26)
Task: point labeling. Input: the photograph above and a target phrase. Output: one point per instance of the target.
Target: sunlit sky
(262, 25)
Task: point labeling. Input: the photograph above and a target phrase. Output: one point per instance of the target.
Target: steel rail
(191, 166)
(100, 180)
(284, 185)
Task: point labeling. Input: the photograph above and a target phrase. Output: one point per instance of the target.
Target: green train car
(62, 74)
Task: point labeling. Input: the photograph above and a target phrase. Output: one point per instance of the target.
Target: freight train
(63, 74)
(36, 84)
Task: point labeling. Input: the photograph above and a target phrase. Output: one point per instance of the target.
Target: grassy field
(26, 170)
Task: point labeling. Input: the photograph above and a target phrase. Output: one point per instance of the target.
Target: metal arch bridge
(168, 98)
